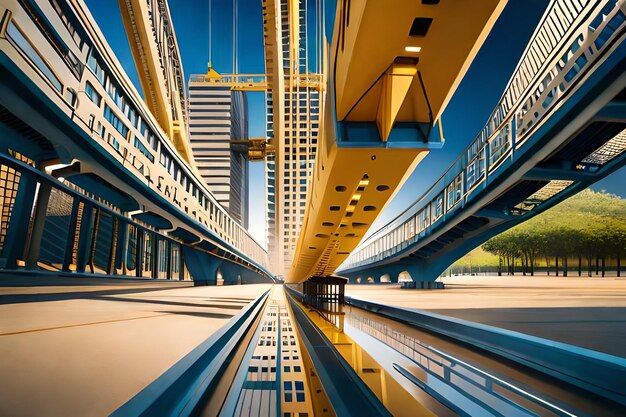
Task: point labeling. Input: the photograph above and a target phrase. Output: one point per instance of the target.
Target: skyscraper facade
(293, 111)
(218, 115)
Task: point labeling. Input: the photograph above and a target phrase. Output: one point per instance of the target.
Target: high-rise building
(218, 115)
(293, 101)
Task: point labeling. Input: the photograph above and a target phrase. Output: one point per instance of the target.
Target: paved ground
(587, 312)
(82, 348)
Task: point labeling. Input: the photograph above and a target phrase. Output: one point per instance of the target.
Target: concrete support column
(416, 272)
(393, 271)
(17, 231)
(231, 273)
(202, 266)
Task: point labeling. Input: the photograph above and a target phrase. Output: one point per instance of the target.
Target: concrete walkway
(84, 347)
(587, 312)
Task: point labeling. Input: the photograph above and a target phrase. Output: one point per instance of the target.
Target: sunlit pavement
(587, 312)
(79, 350)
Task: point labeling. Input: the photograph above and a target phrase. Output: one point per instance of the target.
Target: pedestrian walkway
(84, 347)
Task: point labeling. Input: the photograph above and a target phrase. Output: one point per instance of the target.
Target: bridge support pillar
(235, 274)
(250, 277)
(202, 266)
(231, 273)
(420, 277)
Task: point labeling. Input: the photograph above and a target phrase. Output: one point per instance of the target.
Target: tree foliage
(590, 226)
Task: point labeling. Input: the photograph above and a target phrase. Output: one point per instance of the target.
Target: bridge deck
(86, 346)
(586, 312)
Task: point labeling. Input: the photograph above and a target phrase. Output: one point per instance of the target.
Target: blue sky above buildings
(464, 117)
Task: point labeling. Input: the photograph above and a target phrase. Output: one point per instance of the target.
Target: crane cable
(235, 18)
(210, 38)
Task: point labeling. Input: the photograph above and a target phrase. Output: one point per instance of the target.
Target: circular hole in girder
(322, 235)
(312, 247)
(369, 208)
(335, 208)
(382, 187)
(341, 188)
(328, 224)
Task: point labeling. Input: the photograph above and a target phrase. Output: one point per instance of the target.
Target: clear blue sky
(464, 117)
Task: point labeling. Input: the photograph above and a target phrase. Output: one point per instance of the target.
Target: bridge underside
(510, 208)
(582, 142)
(386, 92)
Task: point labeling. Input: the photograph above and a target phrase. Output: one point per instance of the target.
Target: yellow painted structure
(388, 65)
(237, 82)
(157, 58)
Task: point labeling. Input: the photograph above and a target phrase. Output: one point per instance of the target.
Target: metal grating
(545, 193)
(607, 152)
(9, 181)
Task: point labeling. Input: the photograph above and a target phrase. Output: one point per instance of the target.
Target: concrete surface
(586, 312)
(85, 347)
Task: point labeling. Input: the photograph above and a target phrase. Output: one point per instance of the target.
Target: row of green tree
(588, 229)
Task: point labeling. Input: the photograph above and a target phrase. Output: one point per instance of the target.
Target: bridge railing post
(69, 243)
(84, 238)
(16, 238)
(39, 221)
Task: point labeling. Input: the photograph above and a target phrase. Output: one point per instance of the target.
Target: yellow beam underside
(328, 236)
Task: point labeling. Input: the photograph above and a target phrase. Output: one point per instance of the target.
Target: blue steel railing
(461, 380)
(597, 372)
(77, 232)
(570, 39)
(184, 389)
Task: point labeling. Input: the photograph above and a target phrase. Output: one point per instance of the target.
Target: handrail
(183, 388)
(347, 393)
(597, 372)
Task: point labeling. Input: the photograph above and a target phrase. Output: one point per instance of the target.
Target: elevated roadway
(391, 72)
(558, 128)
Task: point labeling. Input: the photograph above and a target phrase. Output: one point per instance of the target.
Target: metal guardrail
(347, 393)
(486, 391)
(597, 372)
(182, 389)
